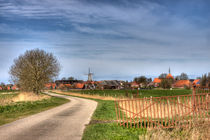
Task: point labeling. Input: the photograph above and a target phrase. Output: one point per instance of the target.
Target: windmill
(90, 75)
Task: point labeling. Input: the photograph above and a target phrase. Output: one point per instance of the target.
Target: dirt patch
(101, 121)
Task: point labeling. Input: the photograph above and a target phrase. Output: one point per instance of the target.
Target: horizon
(118, 40)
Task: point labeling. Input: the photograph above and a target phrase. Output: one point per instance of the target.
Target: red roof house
(157, 80)
(182, 83)
(79, 85)
(196, 82)
(50, 86)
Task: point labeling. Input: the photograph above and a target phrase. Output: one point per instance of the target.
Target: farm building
(79, 85)
(111, 84)
(1, 88)
(182, 84)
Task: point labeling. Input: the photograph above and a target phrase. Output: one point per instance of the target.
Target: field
(129, 93)
(12, 107)
(103, 126)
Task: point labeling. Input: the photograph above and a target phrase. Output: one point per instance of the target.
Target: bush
(166, 83)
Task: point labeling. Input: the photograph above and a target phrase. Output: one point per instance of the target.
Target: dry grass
(28, 96)
(196, 132)
(23, 96)
(86, 95)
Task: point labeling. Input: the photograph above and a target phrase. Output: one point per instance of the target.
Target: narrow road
(65, 122)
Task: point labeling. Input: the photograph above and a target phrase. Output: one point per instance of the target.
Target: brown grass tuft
(28, 96)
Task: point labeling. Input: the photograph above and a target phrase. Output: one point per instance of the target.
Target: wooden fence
(164, 112)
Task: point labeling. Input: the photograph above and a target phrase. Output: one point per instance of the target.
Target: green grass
(105, 110)
(9, 91)
(111, 131)
(142, 93)
(19, 110)
(99, 129)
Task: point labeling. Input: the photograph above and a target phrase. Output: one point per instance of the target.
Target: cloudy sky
(117, 39)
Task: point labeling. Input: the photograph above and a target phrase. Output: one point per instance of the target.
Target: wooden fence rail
(164, 112)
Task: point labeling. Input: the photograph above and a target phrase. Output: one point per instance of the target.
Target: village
(164, 81)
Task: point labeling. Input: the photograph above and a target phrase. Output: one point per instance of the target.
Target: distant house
(156, 82)
(61, 86)
(9, 87)
(14, 87)
(196, 82)
(79, 85)
(182, 84)
(134, 85)
(111, 84)
(67, 85)
(50, 86)
(1, 88)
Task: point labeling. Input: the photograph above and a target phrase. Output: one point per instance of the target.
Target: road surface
(65, 122)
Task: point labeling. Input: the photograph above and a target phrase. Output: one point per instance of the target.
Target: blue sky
(117, 39)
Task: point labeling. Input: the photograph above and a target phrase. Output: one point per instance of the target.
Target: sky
(117, 39)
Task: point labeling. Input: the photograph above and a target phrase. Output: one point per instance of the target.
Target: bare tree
(166, 83)
(204, 80)
(34, 69)
(163, 75)
(141, 79)
(184, 76)
(71, 78)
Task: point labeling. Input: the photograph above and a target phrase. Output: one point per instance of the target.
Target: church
(157, 81)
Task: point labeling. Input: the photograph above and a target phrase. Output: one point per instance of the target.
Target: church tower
(169, 71)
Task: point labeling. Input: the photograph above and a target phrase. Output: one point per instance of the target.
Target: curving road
(65, 122)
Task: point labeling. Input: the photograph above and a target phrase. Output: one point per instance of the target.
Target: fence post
(194, 98)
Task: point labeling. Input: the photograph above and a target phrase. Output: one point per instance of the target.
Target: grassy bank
(141, 93)
(14, 111)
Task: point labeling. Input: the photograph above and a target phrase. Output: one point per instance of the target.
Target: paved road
(66, 122)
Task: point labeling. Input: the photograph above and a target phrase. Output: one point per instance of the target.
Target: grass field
(13, 111)
(141, 93)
